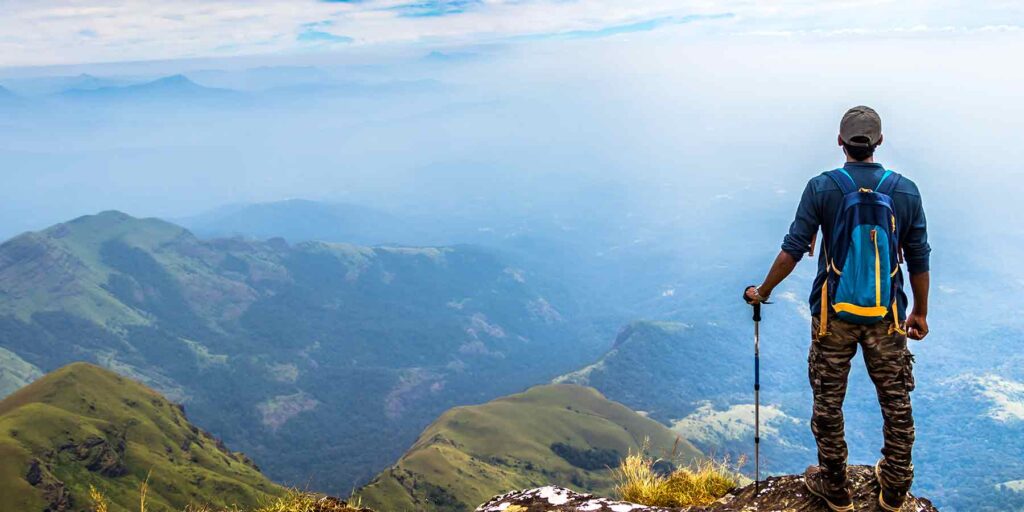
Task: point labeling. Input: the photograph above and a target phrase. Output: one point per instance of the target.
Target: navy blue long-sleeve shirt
(819, 204)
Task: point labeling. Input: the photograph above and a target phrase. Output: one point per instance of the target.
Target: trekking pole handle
(755, 304)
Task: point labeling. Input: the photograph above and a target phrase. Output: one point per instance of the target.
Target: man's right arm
(797, 242)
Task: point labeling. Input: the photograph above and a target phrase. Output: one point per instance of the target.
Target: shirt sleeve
(916, 250)
(804, 226)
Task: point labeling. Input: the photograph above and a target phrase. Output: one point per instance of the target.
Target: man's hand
(753, 296)
(917, 326)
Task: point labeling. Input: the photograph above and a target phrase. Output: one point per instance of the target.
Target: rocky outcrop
(777, 494)
(54, 492)
(100, 455)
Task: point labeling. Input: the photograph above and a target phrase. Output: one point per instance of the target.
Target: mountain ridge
(82, 425)
(174, 87)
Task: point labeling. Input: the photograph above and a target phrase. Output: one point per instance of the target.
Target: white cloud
(39, 32)
(800, 304)
(710, 426)
(1005, 396)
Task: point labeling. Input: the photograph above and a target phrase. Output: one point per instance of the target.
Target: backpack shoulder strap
(887, 185)
(843, 180)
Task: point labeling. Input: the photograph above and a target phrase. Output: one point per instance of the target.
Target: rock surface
(777, 494)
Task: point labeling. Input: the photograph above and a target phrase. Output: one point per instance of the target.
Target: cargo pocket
(908, 370)
(813, 365)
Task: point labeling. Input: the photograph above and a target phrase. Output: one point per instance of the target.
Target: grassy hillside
(557, 434)
(697, 380)
(300, 355)
(82, 425)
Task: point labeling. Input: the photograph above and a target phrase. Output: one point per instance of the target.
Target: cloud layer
(43, 32)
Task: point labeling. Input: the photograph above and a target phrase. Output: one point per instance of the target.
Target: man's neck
(868, 160)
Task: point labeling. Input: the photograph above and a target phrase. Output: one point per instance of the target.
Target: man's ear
(881, 137)
(840, 139)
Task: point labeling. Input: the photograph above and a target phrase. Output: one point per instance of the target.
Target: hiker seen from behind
(872, 222)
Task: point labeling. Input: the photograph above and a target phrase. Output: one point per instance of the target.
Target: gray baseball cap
(861, 122)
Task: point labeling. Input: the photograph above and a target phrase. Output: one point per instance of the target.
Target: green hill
(696, 379)
(300, 355)
(82, 425)
(557, 434)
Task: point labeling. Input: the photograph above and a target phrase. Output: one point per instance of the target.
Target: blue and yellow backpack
(862, 254)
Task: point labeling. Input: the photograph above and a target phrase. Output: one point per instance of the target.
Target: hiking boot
(888, 499)
(831, 489)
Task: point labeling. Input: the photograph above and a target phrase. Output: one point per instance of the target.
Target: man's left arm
(917, 252)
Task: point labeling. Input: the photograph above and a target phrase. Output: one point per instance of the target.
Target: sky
(394, 104)
(46, 32)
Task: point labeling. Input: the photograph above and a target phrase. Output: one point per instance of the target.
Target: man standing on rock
(871, 220)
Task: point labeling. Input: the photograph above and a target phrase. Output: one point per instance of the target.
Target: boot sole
(881, 502)
(831, 506)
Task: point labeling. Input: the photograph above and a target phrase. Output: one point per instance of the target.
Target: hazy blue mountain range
(171, 88)
(210, 88)
(300, 355)
(301, 220)
(47, 85)
(260, 78)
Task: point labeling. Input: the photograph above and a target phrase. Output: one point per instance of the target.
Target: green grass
(47, 419)
(473, 453)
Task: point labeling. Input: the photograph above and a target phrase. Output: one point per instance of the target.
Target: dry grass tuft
(99, 501)
(699, 485)
(297, 501)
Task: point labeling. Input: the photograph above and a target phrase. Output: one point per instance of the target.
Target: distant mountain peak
(110, 218)
(173, 86)
(178, 79)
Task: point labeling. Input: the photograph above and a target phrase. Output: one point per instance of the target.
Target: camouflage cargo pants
(890, 366)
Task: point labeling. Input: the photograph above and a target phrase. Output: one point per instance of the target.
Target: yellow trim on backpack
(894, 271)
(895, 327)
(846, 307)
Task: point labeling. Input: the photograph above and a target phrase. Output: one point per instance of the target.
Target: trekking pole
(756, 304)
(757, 401)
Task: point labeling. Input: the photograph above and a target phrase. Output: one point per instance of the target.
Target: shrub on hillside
(700, 485)
(590, 459)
